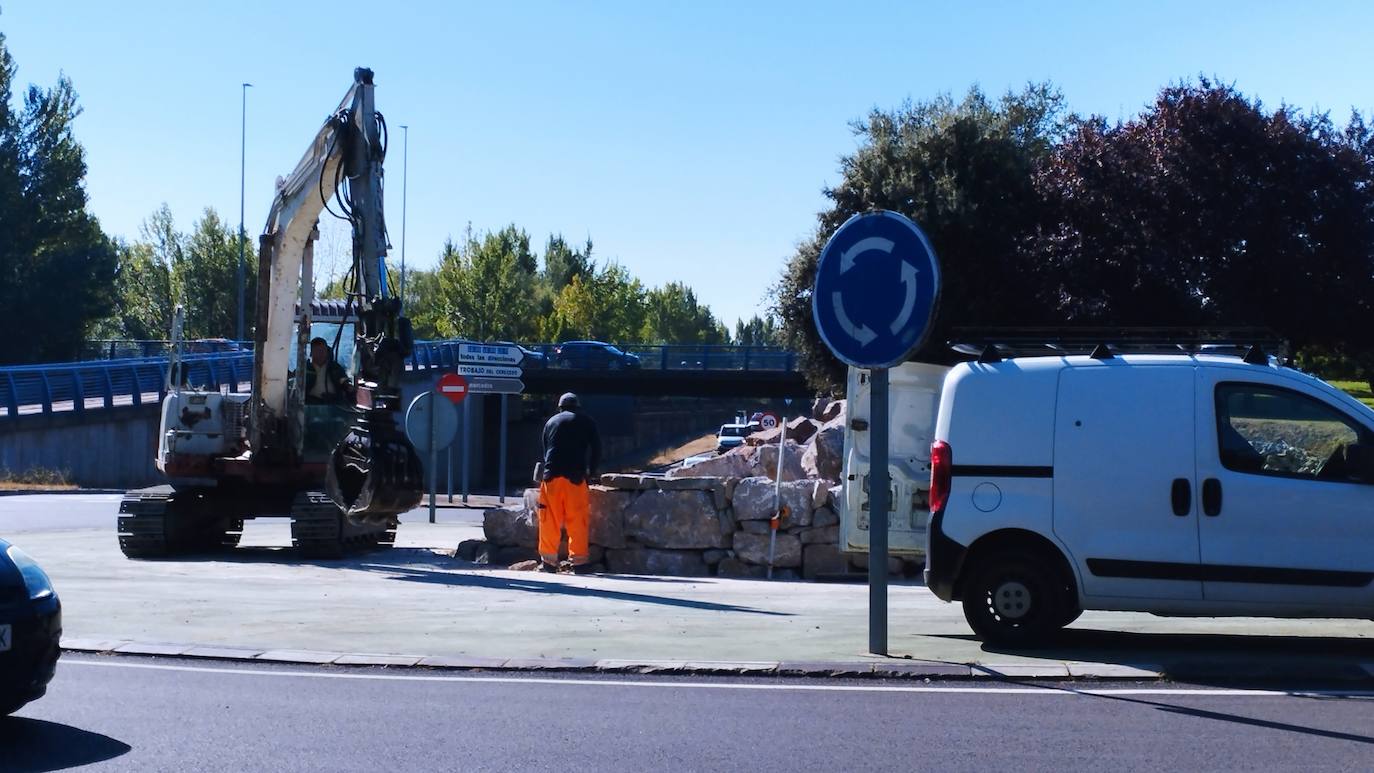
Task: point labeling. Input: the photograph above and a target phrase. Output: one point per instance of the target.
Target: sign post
(877, 288)
(430, 425)
(490, 369)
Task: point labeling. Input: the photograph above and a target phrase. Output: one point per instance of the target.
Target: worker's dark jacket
(572, 447)
(337, 388)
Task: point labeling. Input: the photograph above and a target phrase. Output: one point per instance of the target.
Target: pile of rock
(710, 519)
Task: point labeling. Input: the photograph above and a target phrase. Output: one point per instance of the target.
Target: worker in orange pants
(572, 452)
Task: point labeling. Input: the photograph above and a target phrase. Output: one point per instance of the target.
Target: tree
(606, 304)
(963, 171)
(487, 288)
(674, 316)
(423, 303)
(758, 331)
(1207, 209)
(57, 268)
(205, 274)
(562, 263)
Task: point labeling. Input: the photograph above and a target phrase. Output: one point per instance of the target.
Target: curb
(887, 668)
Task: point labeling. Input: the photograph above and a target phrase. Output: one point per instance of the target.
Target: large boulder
(753, 549)
(606, 516)
(764, 461)
(763, 437)
(755, 499)
(824, 457)
(826, 534)
(733, 567)
(835, 410)
(735, 464)
(681, 563)
(801, 429)
(716, 486)
(511, 525)
(628, 482)
(675, 519)
(825, 516)
(823, 559)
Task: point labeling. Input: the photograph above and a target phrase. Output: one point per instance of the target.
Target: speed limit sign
(769, 421)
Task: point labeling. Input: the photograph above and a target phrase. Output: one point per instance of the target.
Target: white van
(1197, 485)
(913, 397)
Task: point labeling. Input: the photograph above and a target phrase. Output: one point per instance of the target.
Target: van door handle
(1181, 496)
(1211, 497)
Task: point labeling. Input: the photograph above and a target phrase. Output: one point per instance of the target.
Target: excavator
(342, 473)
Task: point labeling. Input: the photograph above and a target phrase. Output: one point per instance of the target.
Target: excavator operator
(326, 381)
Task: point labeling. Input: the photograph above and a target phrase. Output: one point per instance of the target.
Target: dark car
(534, 359)
(593, 355)
(30, 629)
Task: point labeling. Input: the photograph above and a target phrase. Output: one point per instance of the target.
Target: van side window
(1273, 431)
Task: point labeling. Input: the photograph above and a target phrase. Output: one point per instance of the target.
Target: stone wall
(710, 519)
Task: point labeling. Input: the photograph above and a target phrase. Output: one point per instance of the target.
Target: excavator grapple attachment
(374, 474)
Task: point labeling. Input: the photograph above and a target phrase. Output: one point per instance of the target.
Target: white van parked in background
(1196, 485)
(913, 397)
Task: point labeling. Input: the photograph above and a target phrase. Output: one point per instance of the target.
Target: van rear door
(1123, 479)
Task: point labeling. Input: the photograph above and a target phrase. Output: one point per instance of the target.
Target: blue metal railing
(129, 381)
(106, 383)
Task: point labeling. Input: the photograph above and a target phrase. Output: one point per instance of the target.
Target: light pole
(243, 155)
(405, 178)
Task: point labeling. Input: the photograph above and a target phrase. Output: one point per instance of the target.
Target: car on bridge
(593, 355)
(30, 629)
(534, 359)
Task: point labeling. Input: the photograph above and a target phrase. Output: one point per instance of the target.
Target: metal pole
(776, 521)
(243, 158)
(449, 467)
(405, 178)
(433, 454)
(501, 463)
(878, 506)
(467, 414)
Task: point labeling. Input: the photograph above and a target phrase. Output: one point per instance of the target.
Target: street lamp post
(405, 178)
(243, 155)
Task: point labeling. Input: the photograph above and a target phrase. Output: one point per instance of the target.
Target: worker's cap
(568, 400)
(318, 340)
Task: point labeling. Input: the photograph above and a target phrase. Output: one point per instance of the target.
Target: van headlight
(35, 579)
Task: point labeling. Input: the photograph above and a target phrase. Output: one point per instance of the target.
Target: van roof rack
(993, 344)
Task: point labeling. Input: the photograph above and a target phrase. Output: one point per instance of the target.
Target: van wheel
(1010, 599)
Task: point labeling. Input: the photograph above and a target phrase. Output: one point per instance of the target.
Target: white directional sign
(490, 354)
(479, 385)
(490, 371)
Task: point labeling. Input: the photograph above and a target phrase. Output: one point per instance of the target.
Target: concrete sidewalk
(417, 605)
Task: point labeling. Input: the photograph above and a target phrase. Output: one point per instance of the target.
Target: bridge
(669, 371)
(98, 418)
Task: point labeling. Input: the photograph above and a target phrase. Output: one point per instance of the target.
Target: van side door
(1123, 472)
(1285, 520)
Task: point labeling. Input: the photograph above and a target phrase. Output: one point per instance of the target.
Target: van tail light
(941, 471)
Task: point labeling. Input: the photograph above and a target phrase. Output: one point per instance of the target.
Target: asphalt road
(149, 714)
(69, 512)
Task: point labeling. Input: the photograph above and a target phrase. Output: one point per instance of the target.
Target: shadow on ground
(1207, 657)
(412, 573)
(37, 745)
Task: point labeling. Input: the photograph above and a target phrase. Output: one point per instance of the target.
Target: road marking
(798, 687)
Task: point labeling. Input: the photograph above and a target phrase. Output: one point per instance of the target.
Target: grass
(35, 479)
(1356, 389)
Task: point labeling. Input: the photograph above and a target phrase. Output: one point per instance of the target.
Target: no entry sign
(453, 386)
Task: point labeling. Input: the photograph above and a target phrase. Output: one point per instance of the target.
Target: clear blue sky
(690, 140)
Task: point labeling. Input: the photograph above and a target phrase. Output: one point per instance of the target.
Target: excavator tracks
(319, 529)
(160, 522)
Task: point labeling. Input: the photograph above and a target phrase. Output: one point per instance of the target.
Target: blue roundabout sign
(877, 287)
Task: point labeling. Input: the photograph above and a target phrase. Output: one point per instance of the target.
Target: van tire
(1015, 600)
